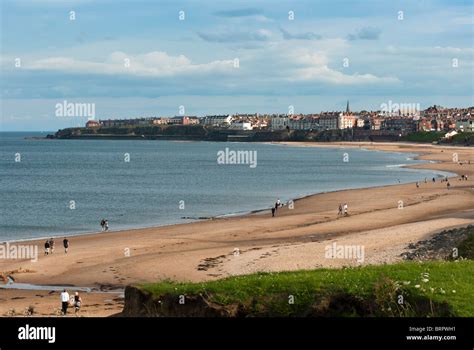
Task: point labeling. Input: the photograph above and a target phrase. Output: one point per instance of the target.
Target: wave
(395, 165)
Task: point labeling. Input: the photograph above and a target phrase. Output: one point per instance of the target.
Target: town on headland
(393, 122)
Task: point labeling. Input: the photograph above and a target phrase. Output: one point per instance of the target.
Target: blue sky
(191, 62)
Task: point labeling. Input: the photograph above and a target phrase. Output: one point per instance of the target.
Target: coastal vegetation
(424, 136)
(428, 289)
(438, 137)
(436, 288)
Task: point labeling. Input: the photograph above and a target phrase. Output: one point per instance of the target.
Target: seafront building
(217, 120)
(403, 125)
(432, 119)
(279, 122)
(466, 125)
(329, 120)
(303, 122)
(241, 125)
(184, 120)
(92, 124)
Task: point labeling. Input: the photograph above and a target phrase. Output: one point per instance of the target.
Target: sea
(51, 188)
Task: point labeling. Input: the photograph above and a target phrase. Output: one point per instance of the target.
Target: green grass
(451, 285)
(465, 138)
(424, 136)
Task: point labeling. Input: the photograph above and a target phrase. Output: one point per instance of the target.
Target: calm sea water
(36, 192)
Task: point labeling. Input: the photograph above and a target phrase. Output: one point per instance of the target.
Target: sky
(151, 58)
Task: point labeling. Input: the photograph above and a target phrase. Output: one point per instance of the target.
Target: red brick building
(92, 124)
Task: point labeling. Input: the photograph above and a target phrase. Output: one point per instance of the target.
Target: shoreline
(253, 211)
(292, 240)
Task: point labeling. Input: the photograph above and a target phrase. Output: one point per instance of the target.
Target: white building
(303, 123)
(346, 121)
(466, 125)
(241, 125)
(279, 123)
(217, 120)
(450, 134)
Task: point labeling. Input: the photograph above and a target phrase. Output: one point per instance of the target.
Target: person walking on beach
(46, 247)
(434, 180)
(102, 224)
(106, 225)
(77, 302)
(417, 184)
(339, 213)
(273, 211)
(64, 301)
(277, 204)
(65, 244)
(51, 245)
(448, 185)
(345, 210)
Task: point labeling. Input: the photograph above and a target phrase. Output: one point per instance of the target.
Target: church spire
(347, 108)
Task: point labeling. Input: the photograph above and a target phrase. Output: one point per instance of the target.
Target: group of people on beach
(448, 185)
(49, 246)
(76, 302)
(49, 243)
(343, 210)
(445, 179)
(104, 223)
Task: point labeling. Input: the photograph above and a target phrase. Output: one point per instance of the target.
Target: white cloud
(324, 74)
(425, 51)
(313, 66)
(309, 58)
(152, 64)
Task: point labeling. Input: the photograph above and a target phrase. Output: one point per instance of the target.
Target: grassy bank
(429, 137)
(439, 288)
(466, 138)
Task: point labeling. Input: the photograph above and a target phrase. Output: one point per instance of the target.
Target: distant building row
(331, 121)
(432, 119)
(227, 121)
(178, 120)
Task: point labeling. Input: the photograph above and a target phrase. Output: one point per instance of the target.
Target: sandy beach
(294, 239)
